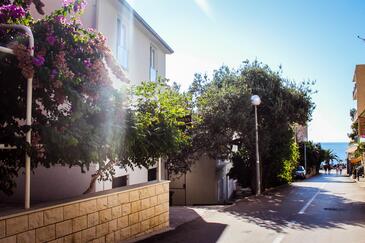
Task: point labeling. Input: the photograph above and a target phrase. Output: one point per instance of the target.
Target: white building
(142, 54)
(206, 183)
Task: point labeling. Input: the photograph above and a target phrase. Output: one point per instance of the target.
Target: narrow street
(326, 208)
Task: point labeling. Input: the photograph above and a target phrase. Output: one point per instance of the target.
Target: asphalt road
(326, 208)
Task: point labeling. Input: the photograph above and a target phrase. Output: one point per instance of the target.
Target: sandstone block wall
(112, 217)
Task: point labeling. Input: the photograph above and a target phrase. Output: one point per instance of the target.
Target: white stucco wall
(204, 184)
(50, 184)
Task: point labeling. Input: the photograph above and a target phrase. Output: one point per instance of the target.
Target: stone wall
(112, 216)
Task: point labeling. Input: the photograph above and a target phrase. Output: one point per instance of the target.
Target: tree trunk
(95, 176)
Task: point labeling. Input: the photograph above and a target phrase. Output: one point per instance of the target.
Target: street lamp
(256, 101)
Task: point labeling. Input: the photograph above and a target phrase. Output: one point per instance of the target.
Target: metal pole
(29, 123)
(305, 157)
(258, 175)
(159, 169)
(28, 31)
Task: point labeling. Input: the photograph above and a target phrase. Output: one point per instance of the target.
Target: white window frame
(153, 64)
(122, 50)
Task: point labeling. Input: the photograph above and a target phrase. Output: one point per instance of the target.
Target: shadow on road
(278, 209)
(198, 228)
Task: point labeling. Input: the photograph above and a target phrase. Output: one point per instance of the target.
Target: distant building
(359, 118)
(359, 96)
(301, 133)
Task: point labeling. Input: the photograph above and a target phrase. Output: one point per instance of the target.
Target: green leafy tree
(329, 156)
(353, 135)
(227, 118)
(315, 155)
(290, 164)
(157, 123)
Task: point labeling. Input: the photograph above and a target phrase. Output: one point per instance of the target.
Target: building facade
(206, 183)
(142, 54)
(359, 96)
(359, 118)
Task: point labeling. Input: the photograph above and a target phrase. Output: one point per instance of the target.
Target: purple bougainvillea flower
(79, 5)
(87, 63)
(11, 12)
(66, 2)
(38, 60)
(51, 39)
(54, 73)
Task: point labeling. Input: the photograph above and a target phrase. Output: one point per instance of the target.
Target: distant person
(337, 170)
(341, 168)
(325, 169)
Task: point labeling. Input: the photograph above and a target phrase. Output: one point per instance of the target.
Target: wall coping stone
(61, 203)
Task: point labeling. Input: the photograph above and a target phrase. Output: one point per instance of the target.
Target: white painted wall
(206, 183)
(49, 184)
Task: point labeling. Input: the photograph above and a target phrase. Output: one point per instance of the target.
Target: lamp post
(305, 156)
(256, 101)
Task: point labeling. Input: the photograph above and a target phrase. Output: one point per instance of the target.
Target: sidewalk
(360, 182)
(180, 215)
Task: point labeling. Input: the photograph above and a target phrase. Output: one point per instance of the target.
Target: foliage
(289, 165)
(161, 116)
(314, 153)
(227, 118)
(242, 169)
(156, 127)
(329, 156)
(360, 150)
(354, 127)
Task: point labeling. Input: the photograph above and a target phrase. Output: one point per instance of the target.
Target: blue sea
(338, 148)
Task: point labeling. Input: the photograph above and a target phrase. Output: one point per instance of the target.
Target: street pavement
(325, 208)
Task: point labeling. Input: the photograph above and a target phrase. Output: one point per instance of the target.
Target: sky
(311, 40)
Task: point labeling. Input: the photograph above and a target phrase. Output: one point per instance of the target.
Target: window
(122, 53)
(120, 181)
(152, 174)
(153, 66)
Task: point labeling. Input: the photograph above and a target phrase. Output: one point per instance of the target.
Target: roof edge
(147, 26)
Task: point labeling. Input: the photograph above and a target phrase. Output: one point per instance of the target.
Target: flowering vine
(74, 102)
